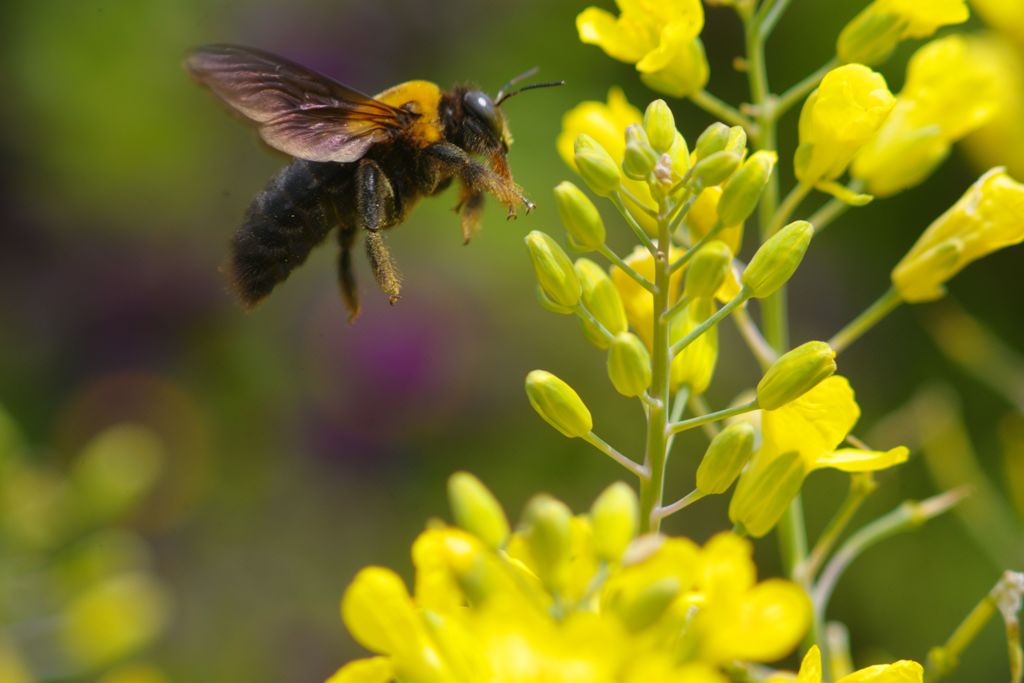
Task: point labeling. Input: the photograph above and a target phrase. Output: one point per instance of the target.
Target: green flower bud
(596, 166)
(554, 269)
(743, 191)
(737, 141)
(777, 259)
(713, 140)
(795, 373)
(580, 217)
(550, 305)
(547, 534)
(615, 517)
(870, 38)
(602, 299)
(645, 606)
(715, 169)
(765, 491)
(640, 157)
(629, 365)
(707, 270)
(557, 403)
(660, 126)
(476, 510)
(725, 458)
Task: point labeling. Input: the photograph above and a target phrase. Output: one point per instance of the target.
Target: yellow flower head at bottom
(667, 611)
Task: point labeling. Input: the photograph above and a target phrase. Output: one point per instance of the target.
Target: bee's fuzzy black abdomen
(282, 225)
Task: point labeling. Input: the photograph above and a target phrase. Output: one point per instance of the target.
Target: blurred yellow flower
(1002, 15)
(989, 217)
(903, 671)
(874, 33)
(839, 118)
(669, 611)
(922, 19)
(931, 113)
(1001, 141)
(661, 37)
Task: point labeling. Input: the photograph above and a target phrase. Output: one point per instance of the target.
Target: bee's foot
(393, 299)
(530, 206)
(511, 216)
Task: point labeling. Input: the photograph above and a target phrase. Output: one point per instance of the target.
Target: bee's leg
(375, 199)
(346, 276)
(453, 160)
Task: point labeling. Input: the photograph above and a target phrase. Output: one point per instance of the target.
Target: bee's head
(483, 128)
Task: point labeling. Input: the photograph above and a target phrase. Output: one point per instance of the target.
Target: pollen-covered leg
(384, 269)
(346, 276)
(453, 160)
(375, 199)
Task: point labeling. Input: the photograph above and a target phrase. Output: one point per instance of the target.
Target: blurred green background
(299, 448)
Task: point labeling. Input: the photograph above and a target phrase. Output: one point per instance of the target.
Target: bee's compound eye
(482, 106)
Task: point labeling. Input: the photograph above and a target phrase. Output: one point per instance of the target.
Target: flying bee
(360, 165)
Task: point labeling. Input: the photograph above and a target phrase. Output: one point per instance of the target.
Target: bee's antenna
(504, 96)
(515, 79)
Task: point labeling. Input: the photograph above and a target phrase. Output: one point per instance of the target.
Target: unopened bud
(765, 491)
(550, 305)
(707, 270)
(615, 517)
(554, 270)
(715, 169)
(629, 365)
(558, 404)
(642, 608)
(547, 534)
(660, 125)
(596, 166)
(777, 259)
(743, 191)
(870, 38)
(725, 458)
(713, 140)
(737, 141)
(795, 373)
(602, 299)
(640, 157)
(580, 217)
(476, 510)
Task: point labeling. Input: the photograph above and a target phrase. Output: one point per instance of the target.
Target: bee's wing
(296, 110)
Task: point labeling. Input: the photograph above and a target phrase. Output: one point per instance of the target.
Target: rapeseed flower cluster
(607, 596)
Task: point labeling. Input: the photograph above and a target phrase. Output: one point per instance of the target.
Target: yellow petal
(810, 668)
(903, 671)
(370, 670)
(857, 460)
(621, 40)
(765, 624)
(815, 423)
(379, 613)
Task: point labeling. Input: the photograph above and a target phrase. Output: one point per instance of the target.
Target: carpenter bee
(360, 165)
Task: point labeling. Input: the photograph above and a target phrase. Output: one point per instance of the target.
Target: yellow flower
(668, 611)
(659, 36)
(1001, 141)
(922, 19)
(903, 671)
(874, 33)
(930, 114)
(839, 118)
(816, 423)
(989, 217)
(1003, 15)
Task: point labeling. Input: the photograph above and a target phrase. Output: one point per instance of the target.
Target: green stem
(798, 92)
(861, 486)
(866, 320)
(824, 216)
(641, 234)
(601, 445)
(789, 206)
(1004, 597)
(717, 416)
(682, 398)
(909, 515)
(701, 407)
(769, 16)
(617, 260)
(762, 351)
(710, 322)
(722, 110)
(684, 502)
(583, 312)
(656, 450)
